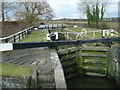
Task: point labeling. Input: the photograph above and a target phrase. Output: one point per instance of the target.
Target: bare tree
(32, 11)
(94, 11)
(7, 7)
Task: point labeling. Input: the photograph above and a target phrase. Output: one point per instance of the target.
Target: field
(11, 70)
(35, 36)
(111, 25)
(61, 22)
(40, 35)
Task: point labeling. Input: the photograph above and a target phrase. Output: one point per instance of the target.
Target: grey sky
(68, 9)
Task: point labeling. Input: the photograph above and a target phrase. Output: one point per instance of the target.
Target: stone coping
(58, 71)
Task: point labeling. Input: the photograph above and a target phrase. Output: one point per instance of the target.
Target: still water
(90, 82)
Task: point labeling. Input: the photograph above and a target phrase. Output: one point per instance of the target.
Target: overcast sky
(68, 9)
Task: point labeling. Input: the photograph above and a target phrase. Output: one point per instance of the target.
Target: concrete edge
(58, 71)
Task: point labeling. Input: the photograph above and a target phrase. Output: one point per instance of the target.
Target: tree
(94, 11)
(7, 7)
(32, 11)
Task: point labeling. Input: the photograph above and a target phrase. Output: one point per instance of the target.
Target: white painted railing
(85, 34)
(17, 36)
(106, 32)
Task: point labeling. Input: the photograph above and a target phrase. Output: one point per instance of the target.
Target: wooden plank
(94, 68)
(95, 48)
(10, 46)
(94, 61)
(93, 55)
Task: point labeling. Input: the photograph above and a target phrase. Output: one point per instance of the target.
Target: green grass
(90, 34)
(113, 25)
(97, 34)
(94, 58)
(96, 52)
(79, 29)
(11, 70)
(35, 36)
(76, 29)
(75, 21)
(61, 22)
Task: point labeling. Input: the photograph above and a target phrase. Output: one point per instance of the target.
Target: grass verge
(11, 70)
(35, 36)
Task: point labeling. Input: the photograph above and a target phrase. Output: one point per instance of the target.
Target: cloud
(64, 8)
(112, 10)
(68, 8)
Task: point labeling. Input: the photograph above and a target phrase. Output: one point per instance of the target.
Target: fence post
(29, 30)
(25, 33)
(52, 26)
(14, 38)
(22, 35)
(48, 27)
(33, 28)
(19, 36)
(6, 40)
(62, 25)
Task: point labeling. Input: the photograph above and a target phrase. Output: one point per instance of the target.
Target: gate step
(95, 74)
(93, 55)
(94, 61)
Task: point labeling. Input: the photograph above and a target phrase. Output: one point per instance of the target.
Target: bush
(103, 25)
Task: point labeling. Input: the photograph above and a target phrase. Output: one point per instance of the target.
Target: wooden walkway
(26, 57)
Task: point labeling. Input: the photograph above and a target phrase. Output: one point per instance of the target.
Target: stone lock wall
(114, 64)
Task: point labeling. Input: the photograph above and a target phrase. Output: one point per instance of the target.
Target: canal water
(90, 82)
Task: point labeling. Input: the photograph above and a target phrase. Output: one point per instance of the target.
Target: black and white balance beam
(14, 46)
(6, 46)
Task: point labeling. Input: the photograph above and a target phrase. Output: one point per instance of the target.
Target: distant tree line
(70, 19)
(113, 19)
